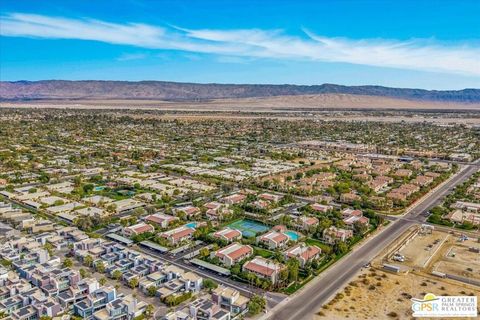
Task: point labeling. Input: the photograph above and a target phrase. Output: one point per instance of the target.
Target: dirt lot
(376, 294)
(421, 248)
(457, 259)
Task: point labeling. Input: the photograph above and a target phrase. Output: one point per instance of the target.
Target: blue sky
(423, 44)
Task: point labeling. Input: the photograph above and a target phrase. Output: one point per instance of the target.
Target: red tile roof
(142, 229)
(251, 266)
(183, 233)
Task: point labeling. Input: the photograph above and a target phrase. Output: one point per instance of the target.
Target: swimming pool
(191, 225)
(99, 188)
(292, 235)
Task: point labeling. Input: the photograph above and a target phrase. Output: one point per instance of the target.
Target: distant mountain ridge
(177, 91)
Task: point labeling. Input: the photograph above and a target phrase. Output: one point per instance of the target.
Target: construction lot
(459, 259)
(422, 248)
(434, 261)
(376, 294)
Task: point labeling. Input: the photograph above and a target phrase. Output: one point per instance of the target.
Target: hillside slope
(174, 91)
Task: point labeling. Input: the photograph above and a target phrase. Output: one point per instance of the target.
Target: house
(351, 216)
(90, 211)
(463, 157)
(307, 223)
(64, 208)
(363, 177)
(233, 253)
(467, 206)
(177, 315)
(125, 205)
(127, 307)
(214, 205)
(349, 197)
(270, 197)
(206, 309)
(215, 210)
(273, 239)
(422, 180)
(303, 253)
(162, 220)
(234, 198)
(62, 187)
(229, 299)
(261, 204)
(321, 207)
(396, 196)
(192, 281)
(264, 268)
(380, 183)
(228, 234)
(97, 200)
(94, 301)
(137, 229)
(178, 235)
(189, 211)
(333, 234)
(459, 216)
(403, 173)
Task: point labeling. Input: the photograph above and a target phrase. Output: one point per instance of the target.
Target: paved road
(309, 300)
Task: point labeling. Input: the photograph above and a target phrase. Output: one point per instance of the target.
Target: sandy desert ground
(277, 104)
(377, 294)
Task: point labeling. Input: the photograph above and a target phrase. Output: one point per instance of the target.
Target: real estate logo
(445, 306)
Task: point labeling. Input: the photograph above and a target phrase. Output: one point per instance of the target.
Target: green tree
(293, 267)
(83, 273)
(210, 284)
(117, 274)
(49, 247)
(204, 252)
(340, 247)
(152, 291)
(149, 310)
(67, 263)
(88, 260)
(133, 283)
(102, 281)
(256, 305)
(84, 223)
(100, 267)
(87, 188)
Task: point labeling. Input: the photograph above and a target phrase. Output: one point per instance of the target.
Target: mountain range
(176, 91)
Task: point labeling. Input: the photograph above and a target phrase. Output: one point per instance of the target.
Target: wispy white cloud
(132, 56)
(424, 55)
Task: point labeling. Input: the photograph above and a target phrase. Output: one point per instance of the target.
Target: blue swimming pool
(292, 235)
(191, 225)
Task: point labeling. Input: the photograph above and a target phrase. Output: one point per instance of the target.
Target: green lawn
(263, 252)
(294, 287)
(317, 243)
